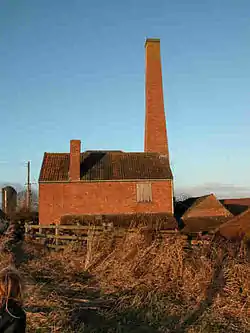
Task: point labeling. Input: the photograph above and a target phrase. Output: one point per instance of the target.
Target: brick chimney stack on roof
(74, 164)
(155, 123)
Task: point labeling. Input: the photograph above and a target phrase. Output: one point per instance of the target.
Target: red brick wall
(57, 199)
(208, 207)
(155, 123)
(74, 167)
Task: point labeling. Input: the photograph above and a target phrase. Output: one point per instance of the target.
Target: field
(135, 284)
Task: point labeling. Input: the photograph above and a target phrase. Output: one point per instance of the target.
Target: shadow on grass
(131, 320)
(101, 321)
(154, 317)
(220, 257)
(118, 312)
(38, 309)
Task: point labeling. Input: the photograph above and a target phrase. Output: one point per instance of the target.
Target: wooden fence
(59, 236)
(55, 235)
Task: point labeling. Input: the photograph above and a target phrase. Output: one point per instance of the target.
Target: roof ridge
(207, 195)
(49, 153)
(236, 202)
(208, 217)
(235, 198)
(236, 218)
(107, 151)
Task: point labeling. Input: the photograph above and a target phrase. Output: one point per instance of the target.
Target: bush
(25, 216)
(151, 220)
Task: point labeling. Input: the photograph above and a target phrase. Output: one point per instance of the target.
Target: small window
(144, 192)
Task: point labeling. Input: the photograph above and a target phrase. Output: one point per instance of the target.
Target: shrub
(151, 220)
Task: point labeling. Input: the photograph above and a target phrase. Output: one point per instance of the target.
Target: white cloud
(220, 190)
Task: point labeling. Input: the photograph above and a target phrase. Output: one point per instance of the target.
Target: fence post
(56, 234)
(26, 230)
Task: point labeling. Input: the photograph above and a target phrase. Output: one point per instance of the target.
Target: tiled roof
(184, 208)
(108, 165)
(236, 206)
(192, 203)
(238, 201)
(237, 226)
(203, 224)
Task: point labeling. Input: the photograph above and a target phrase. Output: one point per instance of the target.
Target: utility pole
(28, 192)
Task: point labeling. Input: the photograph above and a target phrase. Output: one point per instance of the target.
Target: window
(144, 192)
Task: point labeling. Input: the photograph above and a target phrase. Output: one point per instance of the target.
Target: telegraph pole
(28, 192)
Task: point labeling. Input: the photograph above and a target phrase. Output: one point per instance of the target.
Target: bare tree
(182, 197)
(22, 200)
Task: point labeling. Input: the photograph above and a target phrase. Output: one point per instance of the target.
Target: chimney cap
(75, 144)
(152, 40)
(75, 140)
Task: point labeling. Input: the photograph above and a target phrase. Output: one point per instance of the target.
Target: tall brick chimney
(155, 123)
(74, 164)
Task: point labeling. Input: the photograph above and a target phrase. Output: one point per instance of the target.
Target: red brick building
(113, 182)
(236, 206)
(237, 227)
(201, 214)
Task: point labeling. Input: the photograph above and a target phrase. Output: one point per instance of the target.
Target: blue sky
(75, 70)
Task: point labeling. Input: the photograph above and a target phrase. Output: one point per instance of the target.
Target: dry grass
(137, 284)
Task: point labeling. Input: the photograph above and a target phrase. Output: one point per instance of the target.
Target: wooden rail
(53, 233)
(87, 228)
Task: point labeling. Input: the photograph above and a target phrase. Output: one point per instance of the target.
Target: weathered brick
(155, 123)
(58, 199)
(74, 166)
